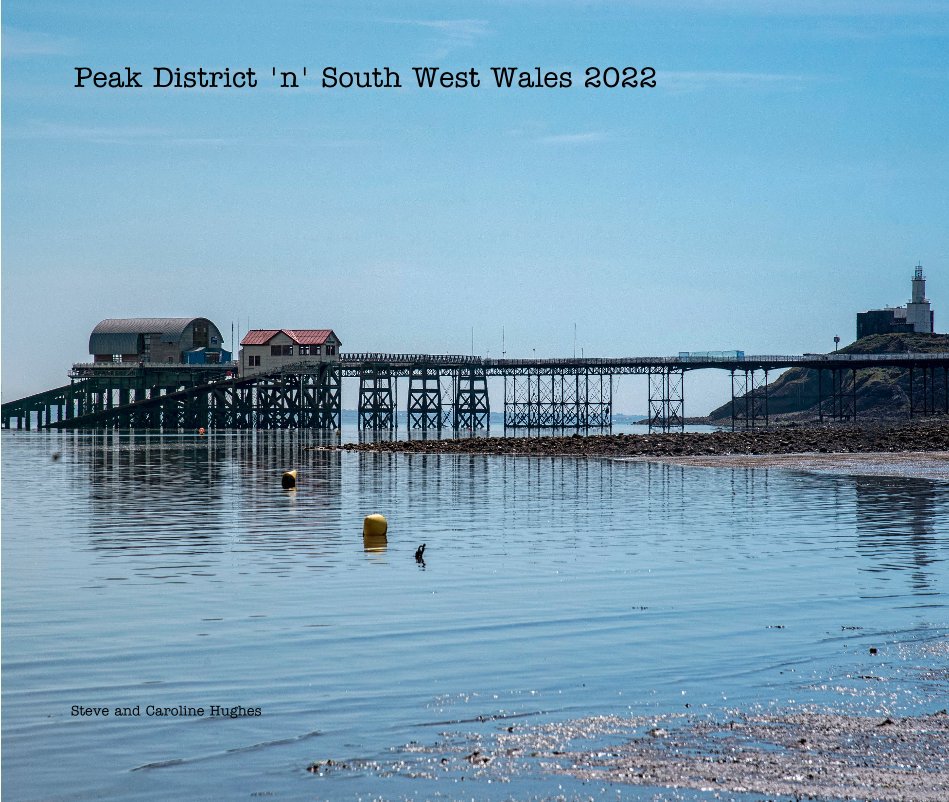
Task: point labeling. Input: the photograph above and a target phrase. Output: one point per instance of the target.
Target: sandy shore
(804, 752)
(914, 464)
(846, 749)
(809, 754)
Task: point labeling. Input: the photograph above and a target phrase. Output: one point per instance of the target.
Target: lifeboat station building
(266, 350)
(178, 340)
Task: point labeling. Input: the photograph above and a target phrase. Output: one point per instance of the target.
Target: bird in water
(419, 554)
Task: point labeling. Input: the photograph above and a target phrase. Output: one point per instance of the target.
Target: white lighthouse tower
(917, 310)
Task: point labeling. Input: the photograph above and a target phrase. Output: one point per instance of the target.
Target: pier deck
(447, 391)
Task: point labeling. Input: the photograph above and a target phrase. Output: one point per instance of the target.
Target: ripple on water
(170, 571)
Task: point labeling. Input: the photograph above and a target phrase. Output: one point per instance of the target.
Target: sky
(789, 168)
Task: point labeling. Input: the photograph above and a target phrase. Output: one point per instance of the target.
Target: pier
(447, 392)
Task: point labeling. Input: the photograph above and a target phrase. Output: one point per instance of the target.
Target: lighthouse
(918, 313)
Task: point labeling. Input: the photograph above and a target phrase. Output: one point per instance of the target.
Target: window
(253, 361)
(317, 349)
(304, 350)
(330, 349)
(199, 336)
(281, 350)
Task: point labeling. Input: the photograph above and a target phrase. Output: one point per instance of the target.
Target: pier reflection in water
(175, 570)
(897, 523)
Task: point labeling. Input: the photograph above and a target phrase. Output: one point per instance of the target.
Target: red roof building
(299, 336)
(267, 350)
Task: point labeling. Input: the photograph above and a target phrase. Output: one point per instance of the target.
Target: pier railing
(495, 363)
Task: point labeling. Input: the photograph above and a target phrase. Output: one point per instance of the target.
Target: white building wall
(919, 315)
(268, 361)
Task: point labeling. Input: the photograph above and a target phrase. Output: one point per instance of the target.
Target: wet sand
(851, 750)
(912, 464)
(794, 753)
(798, 754)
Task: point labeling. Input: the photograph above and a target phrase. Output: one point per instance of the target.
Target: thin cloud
(156, 136)
(464, 32)
(788, 8)
(18, 43)
(879, 29)
(108, 134)
(449, 34)
(684, 81)
(583, 138)
(824, 8)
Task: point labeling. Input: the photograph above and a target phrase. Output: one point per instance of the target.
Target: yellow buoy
(375, 526)
(289, 480)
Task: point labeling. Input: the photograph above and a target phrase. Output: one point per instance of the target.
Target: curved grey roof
(120, 335)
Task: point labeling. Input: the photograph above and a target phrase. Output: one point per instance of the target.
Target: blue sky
(789, 169)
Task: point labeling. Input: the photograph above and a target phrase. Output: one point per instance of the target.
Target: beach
(877, 436)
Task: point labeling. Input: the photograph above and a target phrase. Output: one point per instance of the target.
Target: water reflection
(177, 506)
(897, 525)
(401, 432)
(374, 544)
(153, 499)
(177, 503)
(614, 585)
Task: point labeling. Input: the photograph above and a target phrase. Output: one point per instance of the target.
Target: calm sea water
(172, 571)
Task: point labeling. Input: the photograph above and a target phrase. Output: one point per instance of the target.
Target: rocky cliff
(881, 392)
